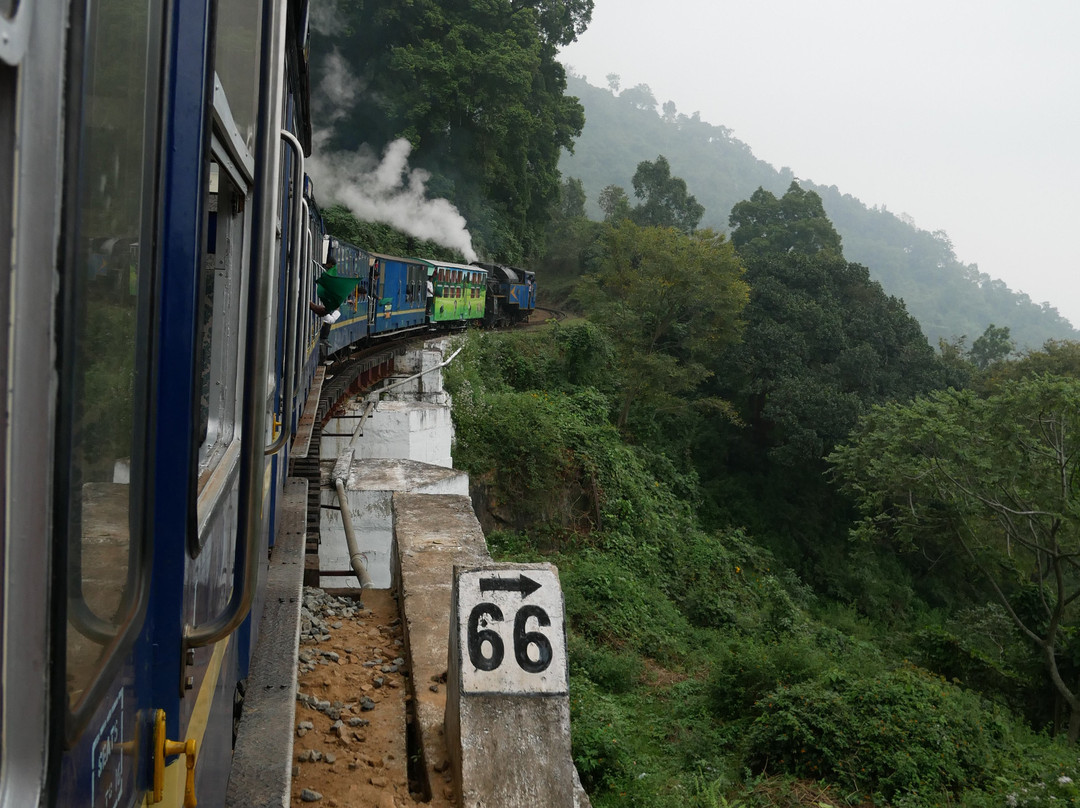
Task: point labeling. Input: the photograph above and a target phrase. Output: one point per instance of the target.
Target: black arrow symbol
(526, 586)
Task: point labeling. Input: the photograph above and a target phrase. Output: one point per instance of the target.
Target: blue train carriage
(351, 280)
(460, 292)
(511, 297)
(316, 247)
(145, 170)
(398, 290)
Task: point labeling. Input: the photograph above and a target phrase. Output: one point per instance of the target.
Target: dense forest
(949, 299)
(809, 558)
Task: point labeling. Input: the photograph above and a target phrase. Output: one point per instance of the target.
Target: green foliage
(477, 90)
(382, 238)
(765, 225)
(665, 200)
(607, 600)
(1057, 358)
(991, 476)
(993, 346)
(894, 733)
(663, 335)
(822, 340)
(614, 204)
(570, 241)
(613, 670)
(982, 649)
(701, 668)
(822, 343)
(749, 668)
(599, 758)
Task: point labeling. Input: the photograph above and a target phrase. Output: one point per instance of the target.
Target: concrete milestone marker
(507, 709)
(511, 632)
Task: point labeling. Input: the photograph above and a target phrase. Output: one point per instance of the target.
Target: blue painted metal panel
(185, 139)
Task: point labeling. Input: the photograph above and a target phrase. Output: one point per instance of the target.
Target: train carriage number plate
(511, 632)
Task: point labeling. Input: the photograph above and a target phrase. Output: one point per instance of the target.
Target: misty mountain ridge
(950, 299)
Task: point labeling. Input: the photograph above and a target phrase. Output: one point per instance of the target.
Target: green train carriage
(460, 292)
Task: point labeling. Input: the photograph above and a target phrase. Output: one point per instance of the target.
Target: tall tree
(665, 335)
(998, 478)
(614, 204)
(478, 91)
(823, 341)
(993, 346)
(666, 202)
(560, 21)
(796, 222)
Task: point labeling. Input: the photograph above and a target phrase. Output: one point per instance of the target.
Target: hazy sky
(964, 114)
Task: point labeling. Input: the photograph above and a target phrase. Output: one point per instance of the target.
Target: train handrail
(252, 460)
(303, 295)
(292, 312)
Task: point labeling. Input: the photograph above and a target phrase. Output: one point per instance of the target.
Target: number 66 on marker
(511, 630)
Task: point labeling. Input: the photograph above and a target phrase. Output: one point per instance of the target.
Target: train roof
(385, 257)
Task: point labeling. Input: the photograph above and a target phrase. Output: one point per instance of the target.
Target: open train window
(104, 419)
(224, 251)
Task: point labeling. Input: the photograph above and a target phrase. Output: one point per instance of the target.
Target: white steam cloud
(380, 190)
(337, 90)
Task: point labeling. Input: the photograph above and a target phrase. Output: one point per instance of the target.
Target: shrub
(608, 602)
(899, 732)
(614, 671)
(749, 669)
(599, 757)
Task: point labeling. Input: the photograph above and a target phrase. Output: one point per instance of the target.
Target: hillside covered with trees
(949, 299)
(809, 557)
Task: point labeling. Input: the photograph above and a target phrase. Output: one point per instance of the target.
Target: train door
(375, 286)
(105, 419)
(30, 60)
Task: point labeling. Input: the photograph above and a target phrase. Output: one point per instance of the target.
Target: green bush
(750, 668)
(898, 732)
(607, 602)
(599, 757)
(614, 671)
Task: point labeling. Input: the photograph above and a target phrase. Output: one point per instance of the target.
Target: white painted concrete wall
(419, 434)
(370, 489)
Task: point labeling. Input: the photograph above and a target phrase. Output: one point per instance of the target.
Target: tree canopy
(477, 90)
(996, 477)
(796, 222)
(665, 200)
(671, 301)
(823, 341)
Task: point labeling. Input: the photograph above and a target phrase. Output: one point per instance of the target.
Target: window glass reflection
(237, 62)
(106, 340)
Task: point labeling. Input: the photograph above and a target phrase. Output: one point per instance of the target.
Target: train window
(104, 413)
(236, 61)
(223, 254)
(8, 8)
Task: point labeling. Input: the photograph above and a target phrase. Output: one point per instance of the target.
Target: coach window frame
(223, 294)
(89, 139)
